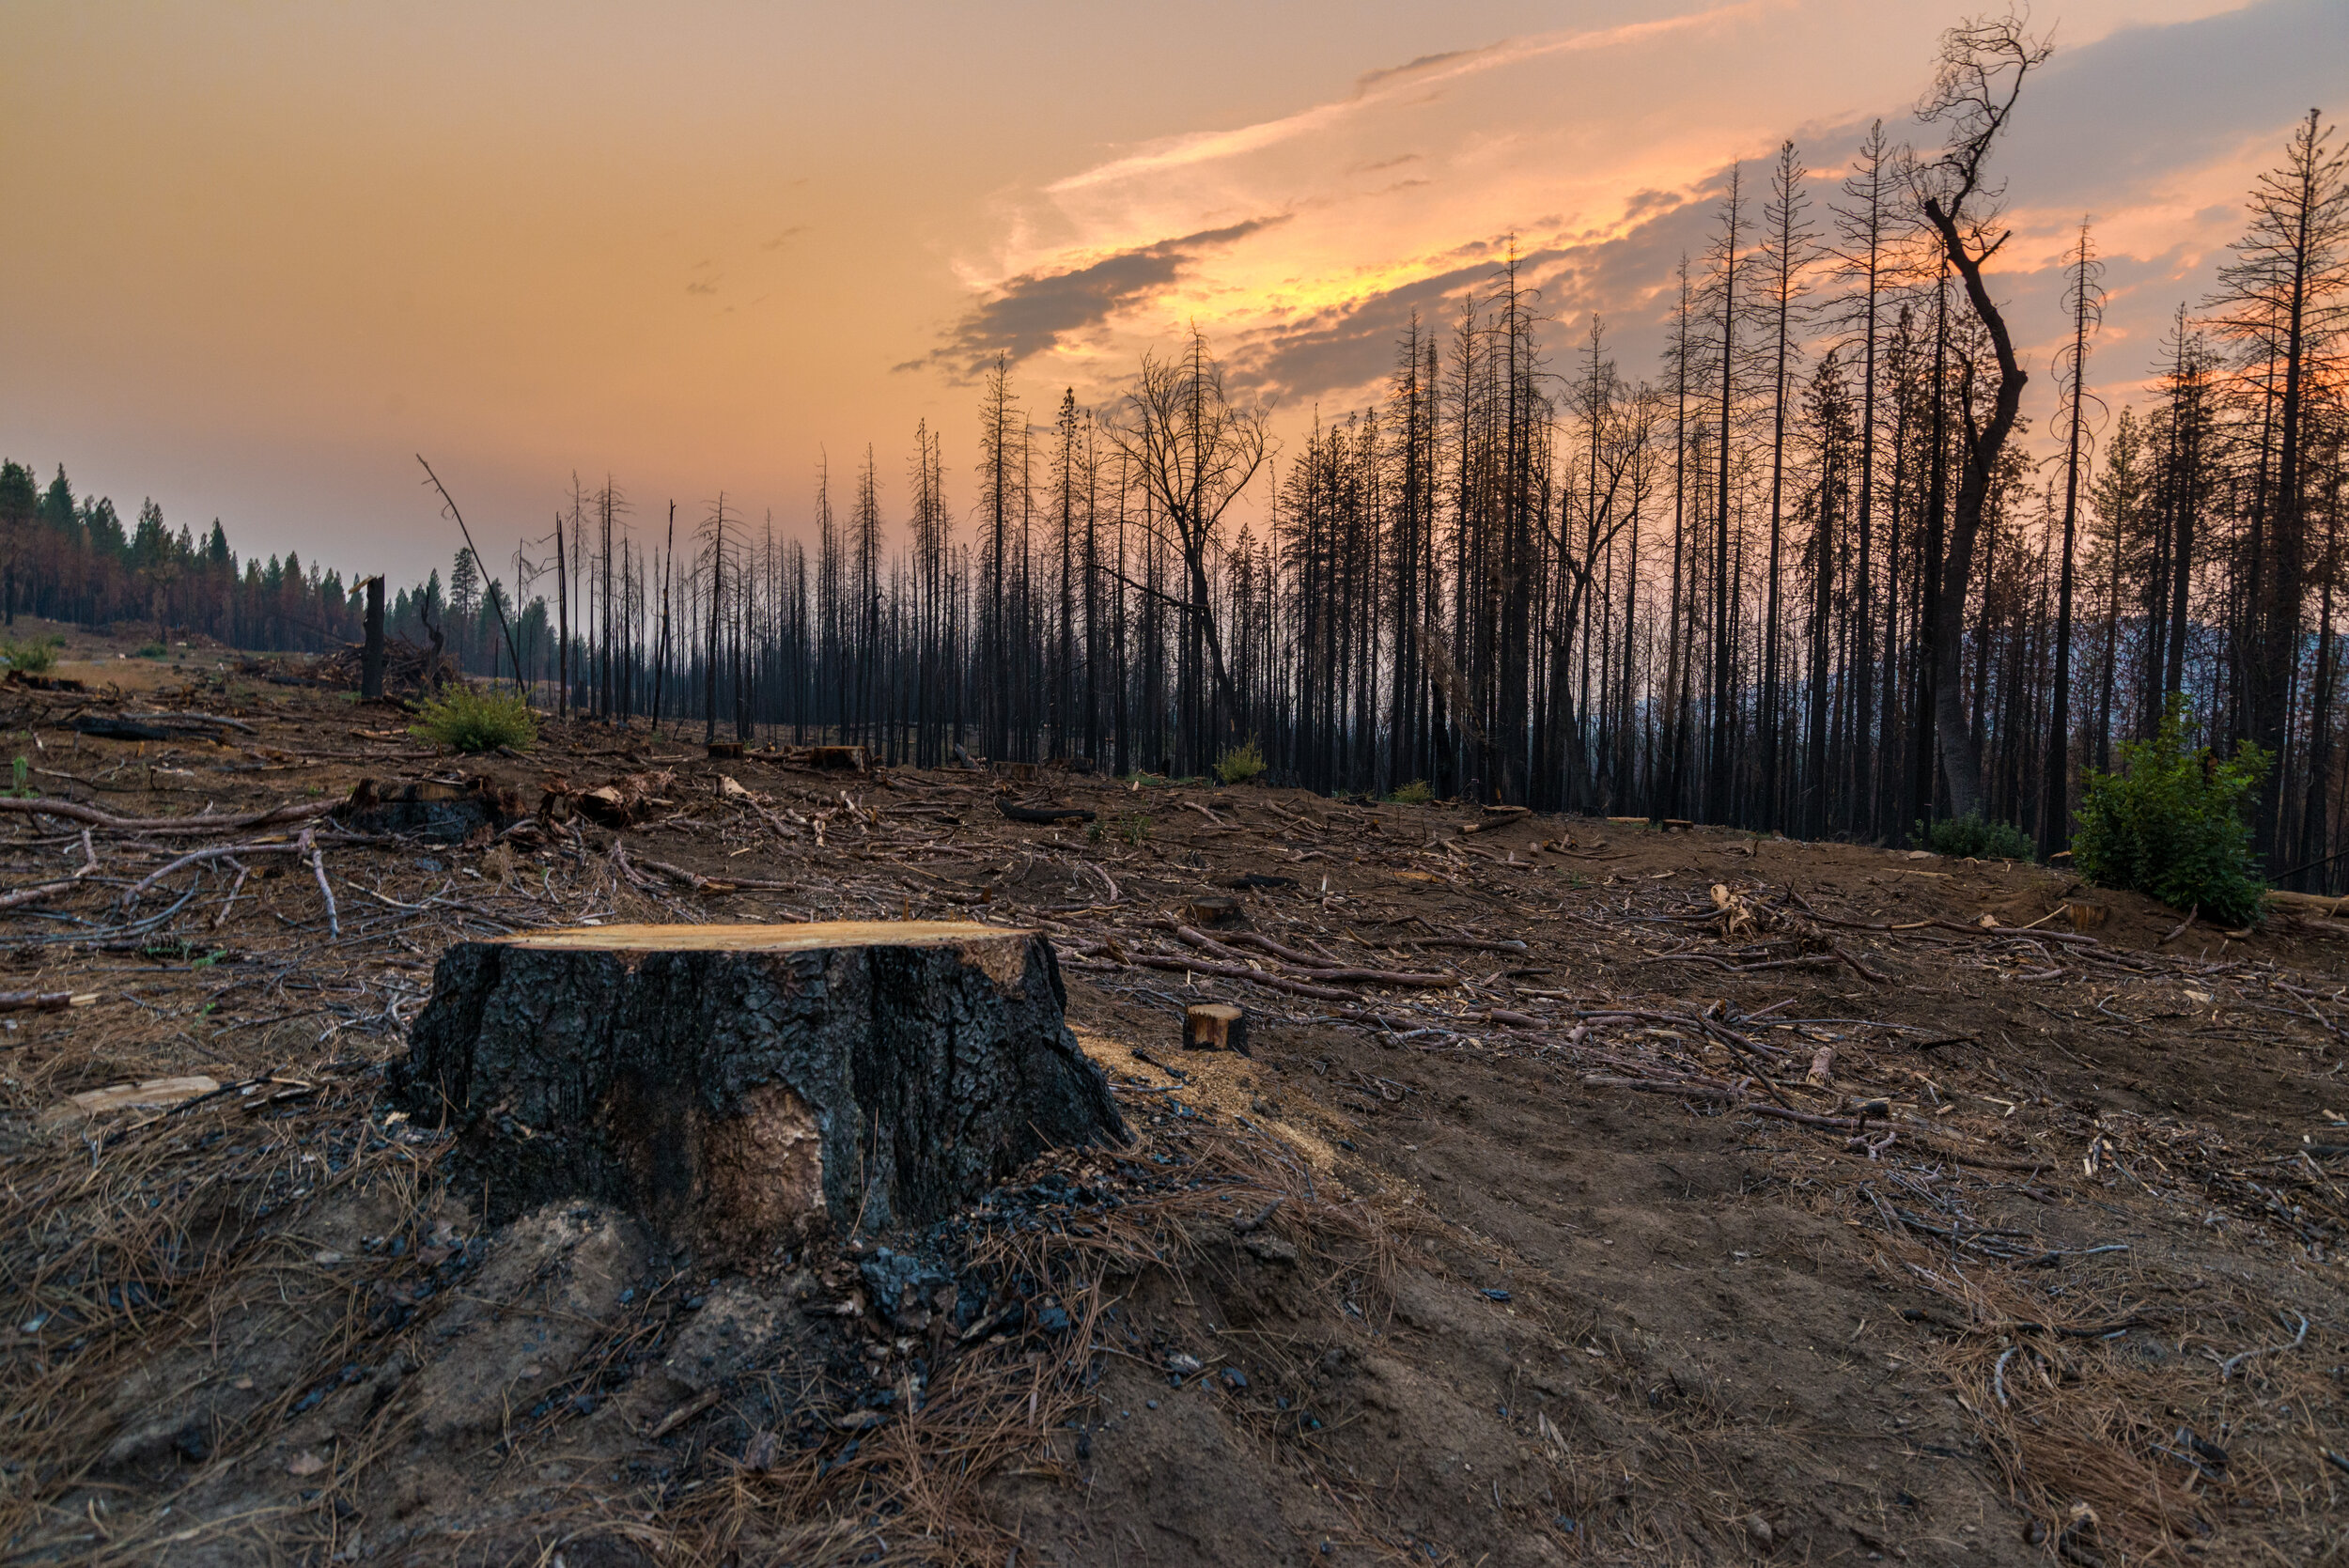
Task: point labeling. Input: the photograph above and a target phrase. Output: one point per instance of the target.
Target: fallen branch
(45, 1002)
(700, 884)
(28, 896)
(1180, 964)
(2226, 1368)
(318, 866)
(1688, 1090)
(293, 811)
(1319, 969)
(219, 851)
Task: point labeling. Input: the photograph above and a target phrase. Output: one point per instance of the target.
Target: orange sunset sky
(260, 254)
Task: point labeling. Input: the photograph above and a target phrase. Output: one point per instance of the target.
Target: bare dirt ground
(1591, 1194)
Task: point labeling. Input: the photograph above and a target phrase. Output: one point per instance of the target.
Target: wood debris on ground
(1605, 1161)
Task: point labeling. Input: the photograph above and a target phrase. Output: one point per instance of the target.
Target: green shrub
(475, 721)
(2176, 823)
(33, 658)
(1240, 764)
(150, 650)
(1970, 836)
(1416, 793)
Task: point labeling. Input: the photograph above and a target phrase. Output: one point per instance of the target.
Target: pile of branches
(408, 667)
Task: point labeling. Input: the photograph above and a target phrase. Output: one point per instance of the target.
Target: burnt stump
(742, 1086)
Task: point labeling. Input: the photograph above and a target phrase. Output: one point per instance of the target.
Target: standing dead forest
(1842, 566)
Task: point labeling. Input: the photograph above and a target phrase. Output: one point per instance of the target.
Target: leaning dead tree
(1975, 88)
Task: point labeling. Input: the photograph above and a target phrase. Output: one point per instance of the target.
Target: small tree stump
(744, 1086)
(429, 808)
(1215, 1025)
(1209, 911)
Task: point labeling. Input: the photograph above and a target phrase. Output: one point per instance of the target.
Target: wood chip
(156, 1093)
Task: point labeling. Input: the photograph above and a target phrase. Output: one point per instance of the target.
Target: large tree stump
(741, 1085)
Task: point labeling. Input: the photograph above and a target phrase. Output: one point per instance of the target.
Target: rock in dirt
(1271, 1249)
(553, 1282)
(734, 1329)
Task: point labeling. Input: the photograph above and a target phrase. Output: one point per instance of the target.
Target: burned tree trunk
(371, 661)
(741, 1085)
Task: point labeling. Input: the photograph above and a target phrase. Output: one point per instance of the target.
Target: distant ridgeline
(70, 559)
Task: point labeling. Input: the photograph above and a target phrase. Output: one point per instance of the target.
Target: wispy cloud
(1395, 208)
(1036, 311)
(1377, 87)
(1348, 346)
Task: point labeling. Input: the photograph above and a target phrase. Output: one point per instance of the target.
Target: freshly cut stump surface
(741, 1085)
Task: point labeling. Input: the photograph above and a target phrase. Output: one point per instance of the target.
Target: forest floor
(1592, 1193)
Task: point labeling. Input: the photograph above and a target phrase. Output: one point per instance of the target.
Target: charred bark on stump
(738, 1085)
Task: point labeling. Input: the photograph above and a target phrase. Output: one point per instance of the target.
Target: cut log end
(801, 936)
(742, 1086)
(1208, 911)
(1215, 1025)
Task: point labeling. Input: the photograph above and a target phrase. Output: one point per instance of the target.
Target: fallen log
(107, 726)
(194, 721)
(1043, 815)
(2316, 905)
(1264, 944)
(742, 1086)
(156, 727)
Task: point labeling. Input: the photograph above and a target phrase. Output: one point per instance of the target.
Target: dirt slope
(1539, 1227)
